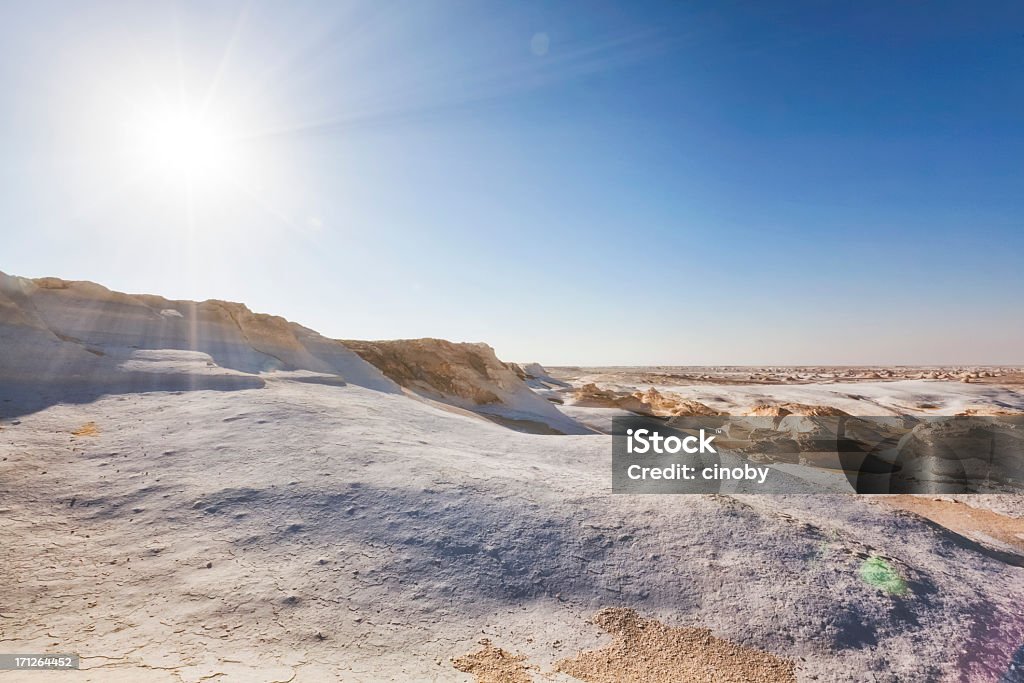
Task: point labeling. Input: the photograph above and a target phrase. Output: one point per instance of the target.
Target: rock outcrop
(63, 337)
(801, 409)
(650, 402)
(466, 375)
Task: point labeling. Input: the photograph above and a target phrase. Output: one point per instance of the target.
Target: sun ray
(218, 77)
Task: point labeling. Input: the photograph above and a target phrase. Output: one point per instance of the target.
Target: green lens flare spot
(878, 573)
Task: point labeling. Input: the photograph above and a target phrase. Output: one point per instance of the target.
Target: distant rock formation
(801, 409)
(650, 402)
(538, 378)
(673, 405)
(989, 411)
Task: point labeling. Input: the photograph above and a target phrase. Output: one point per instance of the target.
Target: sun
(182, 144)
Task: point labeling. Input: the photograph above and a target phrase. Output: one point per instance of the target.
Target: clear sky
(571, 182)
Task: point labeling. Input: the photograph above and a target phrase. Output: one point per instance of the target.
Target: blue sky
(571, 182)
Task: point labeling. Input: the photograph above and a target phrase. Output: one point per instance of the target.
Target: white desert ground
(195, 492)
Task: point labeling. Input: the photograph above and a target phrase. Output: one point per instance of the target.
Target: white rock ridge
(78, 340)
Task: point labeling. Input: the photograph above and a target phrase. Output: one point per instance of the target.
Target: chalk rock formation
(465, 375)
(79, 336)
(650, 402)
(802, 409)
